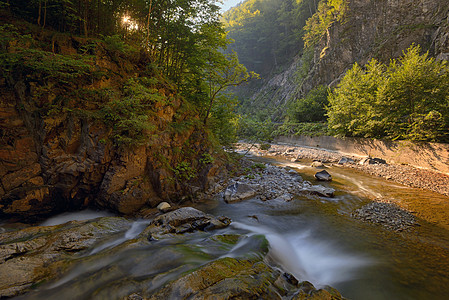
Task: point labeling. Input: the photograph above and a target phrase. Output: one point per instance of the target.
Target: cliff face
(56, 154)
(380, 29)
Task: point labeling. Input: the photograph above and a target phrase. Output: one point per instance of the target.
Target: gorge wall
(380, 29)
(58, 148)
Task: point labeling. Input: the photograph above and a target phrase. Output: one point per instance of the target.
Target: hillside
(103, 114)
(340, 34)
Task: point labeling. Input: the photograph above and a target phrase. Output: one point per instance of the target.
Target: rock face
(52, 162)
(370, 29)
(380, 29)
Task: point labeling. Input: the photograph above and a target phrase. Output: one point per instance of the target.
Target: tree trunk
(39, 17)
(45, 13)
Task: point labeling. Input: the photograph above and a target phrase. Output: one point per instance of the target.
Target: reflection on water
(311, 237)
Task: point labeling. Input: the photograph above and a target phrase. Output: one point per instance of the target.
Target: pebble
(388, 215)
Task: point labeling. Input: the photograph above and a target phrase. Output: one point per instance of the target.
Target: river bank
(403, 174)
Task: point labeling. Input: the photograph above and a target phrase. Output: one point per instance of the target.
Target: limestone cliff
(380, 29)
(58, 149)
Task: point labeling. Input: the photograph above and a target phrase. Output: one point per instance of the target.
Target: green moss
(230, 239)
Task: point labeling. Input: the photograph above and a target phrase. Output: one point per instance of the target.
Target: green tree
(311, 108)
(354, 105)
(417, 89)
(409, 99)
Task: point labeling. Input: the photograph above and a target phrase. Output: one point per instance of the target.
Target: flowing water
(313, 238)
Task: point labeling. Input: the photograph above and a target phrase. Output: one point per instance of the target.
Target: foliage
(129, 115)
(184, 171)
(310, 108)
(255, 130)
(206, 159)
(268, 33)
(329, 11)
(408, 99)
(307, 129)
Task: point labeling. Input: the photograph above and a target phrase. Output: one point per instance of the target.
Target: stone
(386, 214)
(238, 192)
(317, 164)
(323, 176)
(164, 207)
(225, 278)
(320, 191)
(345, 160)
(372, 161)
(182, 220)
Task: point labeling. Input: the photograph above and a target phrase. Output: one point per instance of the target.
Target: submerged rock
(323, 176)
(388, 215)
(319, 190)
(33, 254)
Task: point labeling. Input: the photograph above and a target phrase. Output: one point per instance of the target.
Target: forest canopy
(184, 39)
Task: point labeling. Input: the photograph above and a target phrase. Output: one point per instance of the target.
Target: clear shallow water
(313, 238)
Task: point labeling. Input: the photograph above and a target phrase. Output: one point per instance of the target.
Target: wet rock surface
(239, 278)
(323, 176)
(183, 220)
(386, 214)
(31, 255)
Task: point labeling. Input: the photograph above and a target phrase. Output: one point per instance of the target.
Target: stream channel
(314, 238)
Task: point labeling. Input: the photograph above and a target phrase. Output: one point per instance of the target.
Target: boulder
(182, 220)
(345, 160)
(225, 278)
(323, 176)
(241, 278)
(320, 191)
(238, 192)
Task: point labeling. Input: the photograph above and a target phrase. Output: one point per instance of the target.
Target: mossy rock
(225, 278)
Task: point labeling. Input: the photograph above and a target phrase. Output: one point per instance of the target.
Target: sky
(227, 4)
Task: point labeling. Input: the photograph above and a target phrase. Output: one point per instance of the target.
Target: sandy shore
(403, 174)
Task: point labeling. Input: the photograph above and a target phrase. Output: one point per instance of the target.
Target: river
(314, 238)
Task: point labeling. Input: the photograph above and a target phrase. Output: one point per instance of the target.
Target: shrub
(311, 108)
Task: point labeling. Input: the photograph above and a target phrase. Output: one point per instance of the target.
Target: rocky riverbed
(403, 174)
(153, 264)
(381, 211)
